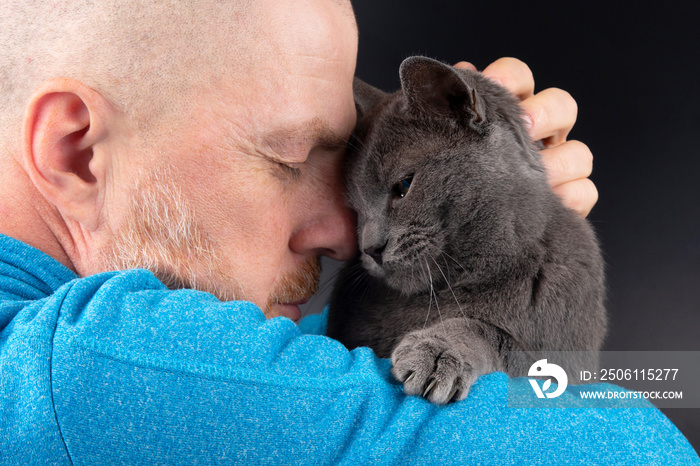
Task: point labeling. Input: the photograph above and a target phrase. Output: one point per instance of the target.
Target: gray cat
(469, 263)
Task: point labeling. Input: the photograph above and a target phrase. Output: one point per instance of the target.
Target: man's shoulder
(127, 310)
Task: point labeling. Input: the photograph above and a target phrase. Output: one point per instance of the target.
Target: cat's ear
(366, 96)
(434, 87)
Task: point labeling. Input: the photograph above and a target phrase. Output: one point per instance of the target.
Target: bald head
(234, 101)
(144, 57)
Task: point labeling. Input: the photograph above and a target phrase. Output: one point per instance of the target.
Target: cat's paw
(433, 367)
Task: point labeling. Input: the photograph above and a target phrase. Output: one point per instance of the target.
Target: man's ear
(62, 131)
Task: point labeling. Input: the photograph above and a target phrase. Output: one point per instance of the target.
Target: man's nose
(330, 229)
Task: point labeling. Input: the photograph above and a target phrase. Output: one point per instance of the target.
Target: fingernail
(527, 119)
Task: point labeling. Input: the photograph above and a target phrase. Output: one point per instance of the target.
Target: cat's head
(443, 177)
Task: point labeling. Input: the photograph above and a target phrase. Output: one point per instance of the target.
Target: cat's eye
(400, 189)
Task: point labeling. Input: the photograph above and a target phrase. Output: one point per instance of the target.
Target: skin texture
(455, 216)
(243, 160)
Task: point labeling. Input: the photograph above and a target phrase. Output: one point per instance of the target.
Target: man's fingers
(569, 161)
(552, 114)
(465, 65)
(579, 195)
(514, 75)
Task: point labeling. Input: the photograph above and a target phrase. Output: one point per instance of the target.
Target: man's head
(199, 139)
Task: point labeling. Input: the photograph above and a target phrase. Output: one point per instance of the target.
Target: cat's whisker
(356, 279)
(353, 147)
(330, 281)
(459, 306)
(324, 286)
(362, 280)
(433, 293)
(355, 138)
(355, 269)
(363, 285)
(355, 275)
(447, 267)
(455, 260)
(430, 299)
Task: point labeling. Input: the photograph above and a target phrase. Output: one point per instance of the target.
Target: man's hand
(550, 115)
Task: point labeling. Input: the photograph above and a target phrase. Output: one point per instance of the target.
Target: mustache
(297, 285)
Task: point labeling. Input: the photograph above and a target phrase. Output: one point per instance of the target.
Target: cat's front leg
(442, 362)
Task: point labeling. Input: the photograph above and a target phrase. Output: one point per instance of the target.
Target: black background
(634, 70)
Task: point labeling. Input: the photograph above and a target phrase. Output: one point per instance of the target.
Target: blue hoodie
(115, 368)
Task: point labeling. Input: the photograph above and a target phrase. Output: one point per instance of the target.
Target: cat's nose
(375, 252)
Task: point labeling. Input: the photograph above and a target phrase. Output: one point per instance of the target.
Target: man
(202, 141)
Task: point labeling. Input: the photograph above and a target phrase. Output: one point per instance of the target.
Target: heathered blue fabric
(115, 368)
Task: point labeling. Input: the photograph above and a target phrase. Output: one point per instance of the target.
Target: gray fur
(480, 258)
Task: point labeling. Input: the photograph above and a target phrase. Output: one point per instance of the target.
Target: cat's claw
(432, 368)
(456, 394)
(429, 388)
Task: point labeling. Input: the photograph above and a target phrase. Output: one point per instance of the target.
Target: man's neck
(26, 216)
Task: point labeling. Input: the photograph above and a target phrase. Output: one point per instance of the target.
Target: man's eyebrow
(315, 132)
